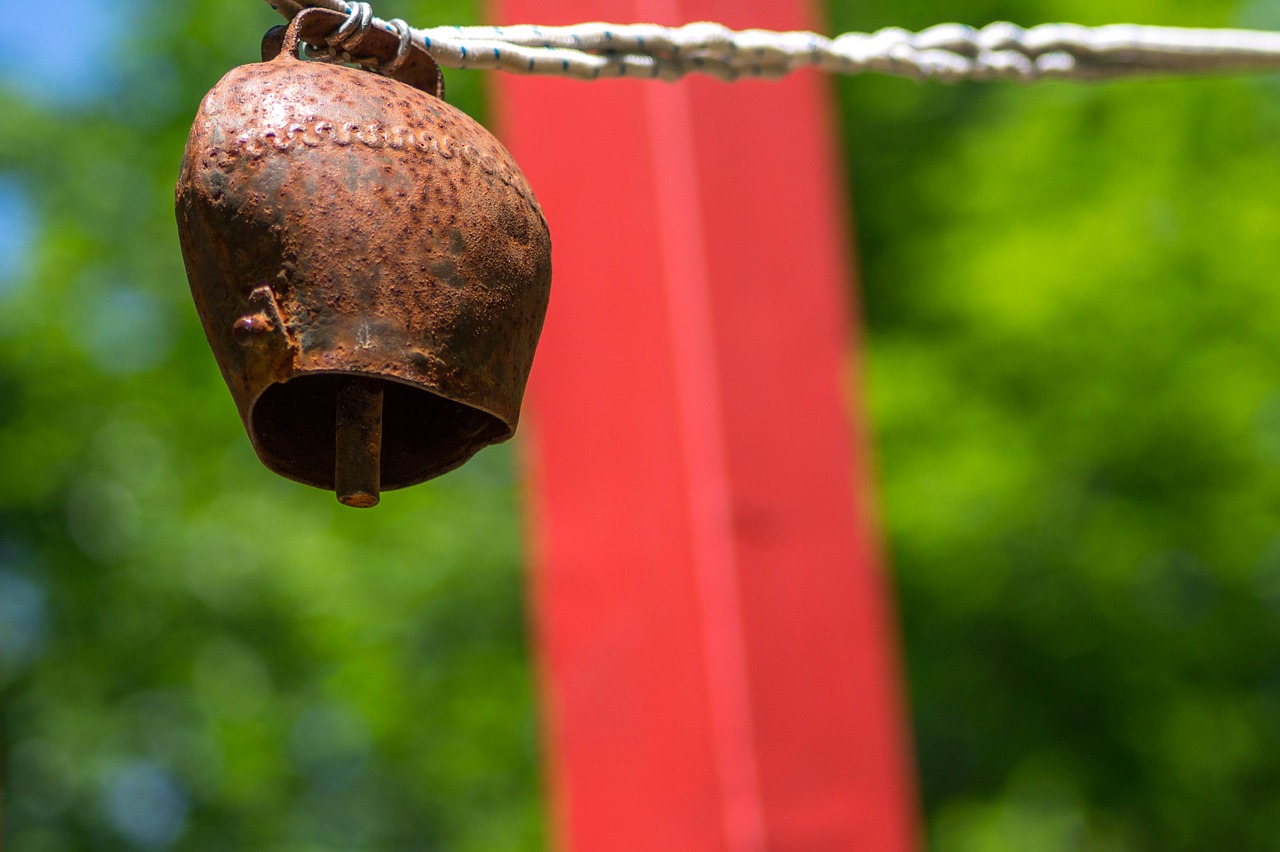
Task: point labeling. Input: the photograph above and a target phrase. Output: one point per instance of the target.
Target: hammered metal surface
(336, 222)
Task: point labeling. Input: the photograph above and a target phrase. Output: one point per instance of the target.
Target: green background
(1072, 367)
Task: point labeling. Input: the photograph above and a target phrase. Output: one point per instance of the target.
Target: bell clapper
(358, 430)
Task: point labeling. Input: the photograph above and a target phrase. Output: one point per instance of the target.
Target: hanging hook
(401, 28)
(359, 18)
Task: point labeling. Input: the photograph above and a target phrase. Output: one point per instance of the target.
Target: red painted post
(718, 651)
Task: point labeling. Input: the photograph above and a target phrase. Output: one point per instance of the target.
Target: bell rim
(268, 461)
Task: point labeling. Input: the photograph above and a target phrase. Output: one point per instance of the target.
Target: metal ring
(359, 17)
(400, 27)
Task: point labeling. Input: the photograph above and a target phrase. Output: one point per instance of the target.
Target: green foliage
(198, 651)
(1074, 383)
(1074, 380)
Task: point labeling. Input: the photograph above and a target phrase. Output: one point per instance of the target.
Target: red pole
(718, 657)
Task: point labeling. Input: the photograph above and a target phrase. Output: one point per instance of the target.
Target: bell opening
(423, 435)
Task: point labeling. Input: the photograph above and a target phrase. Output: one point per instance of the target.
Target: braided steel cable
(946, 52)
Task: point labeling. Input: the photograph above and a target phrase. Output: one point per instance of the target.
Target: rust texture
(335, 223)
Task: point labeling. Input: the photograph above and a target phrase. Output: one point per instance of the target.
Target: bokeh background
(1070, 307)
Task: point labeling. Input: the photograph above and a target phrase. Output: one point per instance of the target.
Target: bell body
(338, 223)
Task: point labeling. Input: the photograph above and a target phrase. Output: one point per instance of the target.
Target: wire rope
(946, 52)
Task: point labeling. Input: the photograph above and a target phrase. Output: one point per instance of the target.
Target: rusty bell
(370, 266)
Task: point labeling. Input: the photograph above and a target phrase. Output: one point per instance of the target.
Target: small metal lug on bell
(250, 330)
(369, 263)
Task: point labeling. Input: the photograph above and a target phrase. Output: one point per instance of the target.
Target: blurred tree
(1073, 380)
(1074, 386)
(195, 653)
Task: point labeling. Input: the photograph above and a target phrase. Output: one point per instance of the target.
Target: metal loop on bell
(401, 28)
(359, 18)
